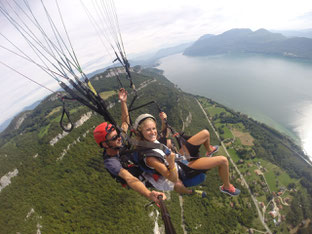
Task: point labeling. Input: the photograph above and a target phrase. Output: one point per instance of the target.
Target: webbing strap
(188, 172)
(148, 145)
(65, 112)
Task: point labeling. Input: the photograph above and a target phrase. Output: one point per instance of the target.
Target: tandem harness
(133, 161)
(126, 161)
(189, 176)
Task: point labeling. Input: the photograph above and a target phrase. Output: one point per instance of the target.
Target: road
(237, 170)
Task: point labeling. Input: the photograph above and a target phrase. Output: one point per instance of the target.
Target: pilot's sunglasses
(114, 138)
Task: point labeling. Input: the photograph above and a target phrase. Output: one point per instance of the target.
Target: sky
(146, 26)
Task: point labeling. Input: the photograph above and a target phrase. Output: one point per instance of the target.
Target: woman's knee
(178, 185)
(205, 133)
(224, 160)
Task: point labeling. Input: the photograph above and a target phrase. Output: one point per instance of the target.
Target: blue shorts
(196, 180)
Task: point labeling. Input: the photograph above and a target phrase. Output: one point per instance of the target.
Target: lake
(273, 90)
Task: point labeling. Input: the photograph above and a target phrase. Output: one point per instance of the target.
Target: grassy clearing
(285, 179)
(262, 198)
(256, 224)
(107, 94)
(271, 177)
(238, 126)
(43, 131)
(245, 137)
(72, 111)
(276, 177)
(55, 110)
(227, 133)
(220, 151)
(212, 110)
(58, 118)
(233, 154)
(252, 176)
(237, 141)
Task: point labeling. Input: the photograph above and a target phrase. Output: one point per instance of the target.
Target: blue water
(273, 90)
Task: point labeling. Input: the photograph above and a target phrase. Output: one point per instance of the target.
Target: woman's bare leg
(181, 189)
(208, 163)
(202, 137)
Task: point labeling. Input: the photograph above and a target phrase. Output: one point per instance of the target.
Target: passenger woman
(145, 127)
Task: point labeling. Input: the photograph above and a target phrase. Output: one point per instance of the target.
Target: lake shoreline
(240, 85)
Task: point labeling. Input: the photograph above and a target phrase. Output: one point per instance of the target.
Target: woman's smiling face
(149, 130)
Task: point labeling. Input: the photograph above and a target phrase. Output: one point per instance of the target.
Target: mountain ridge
(296, 33)
(247, 41)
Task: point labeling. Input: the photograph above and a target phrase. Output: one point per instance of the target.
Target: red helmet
(101, 131)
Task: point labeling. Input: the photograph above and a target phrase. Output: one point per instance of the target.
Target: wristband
(173, 169)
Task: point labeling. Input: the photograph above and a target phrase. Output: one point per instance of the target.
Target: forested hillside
(59, 184)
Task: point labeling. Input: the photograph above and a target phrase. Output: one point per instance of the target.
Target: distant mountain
(91, 74)
(6, 123)
(151, 59)
(295, 33)
(206, 36)
(170, 51)
(247, 41)
(32, 106)
(160, 54)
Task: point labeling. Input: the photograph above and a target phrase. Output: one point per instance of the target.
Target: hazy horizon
(145, 26)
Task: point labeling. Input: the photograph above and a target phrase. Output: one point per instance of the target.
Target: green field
(233, 154)
(44, 131)
(276, 175)
(107, 94)
(226, 131)
(55, 110)
(212, 109)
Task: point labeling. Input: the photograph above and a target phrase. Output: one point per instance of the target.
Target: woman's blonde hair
(138, 131)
